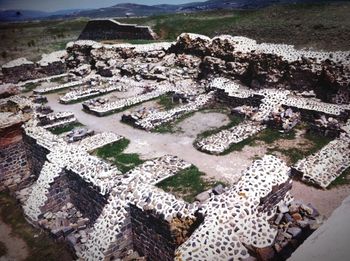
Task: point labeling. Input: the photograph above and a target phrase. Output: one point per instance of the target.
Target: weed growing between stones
(66, 128)
(188, 183)
(41, 247)
(28, 87)
(166, 102)
(343, 179)
(114, 153)
(295, 154)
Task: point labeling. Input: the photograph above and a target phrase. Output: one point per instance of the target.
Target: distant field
(323, 26)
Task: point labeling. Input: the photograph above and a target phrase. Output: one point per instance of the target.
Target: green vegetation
(3, 249)
(166, 102)
(316, 143)
(60, 80)
(320, 26)
(28, 87)
(268, 136)
(41, 247)
(187, 184)
(114, 153)
(66, 128)
(343, 179)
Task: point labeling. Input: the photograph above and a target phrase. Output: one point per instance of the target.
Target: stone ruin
(104, 214)
(110, 29)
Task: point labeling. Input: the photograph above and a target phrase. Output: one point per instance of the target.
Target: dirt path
(226, 168)
(16, 248)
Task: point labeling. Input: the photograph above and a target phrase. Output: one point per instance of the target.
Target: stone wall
(14, 164)
(58, 194)
(69, 187)
(152, 235)
(111, 30)
(277, 194)
(36, 155)
(84, 196)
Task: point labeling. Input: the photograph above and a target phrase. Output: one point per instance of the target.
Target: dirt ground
(17, 249)
(225, 168)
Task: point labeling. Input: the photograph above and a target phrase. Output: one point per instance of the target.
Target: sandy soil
(226, 168)
(16, 247)
(325, 201)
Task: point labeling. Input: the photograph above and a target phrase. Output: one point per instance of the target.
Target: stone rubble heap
(295, 222)
(236, 219)
(268, 65)
(284, 119)
(65, 221)
(78, 134)
(155, 119)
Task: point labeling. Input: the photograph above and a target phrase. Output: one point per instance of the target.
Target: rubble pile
(157, 118)
(268, 65)
(329, 127)
(284, 119)
(78, 134)
(295, 222)
(67, 221)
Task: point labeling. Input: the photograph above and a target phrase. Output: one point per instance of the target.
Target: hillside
(319, 26)
(137, 10)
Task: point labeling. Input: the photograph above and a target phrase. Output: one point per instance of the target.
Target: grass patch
(41, 247)
(3, 249)
(166, 102)
(269, 135)
(318, 26)
(187, 184)
(295, 154)
(343, 179)
(114, 153)
(28, 87)
(65, 128)
(59, 80)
